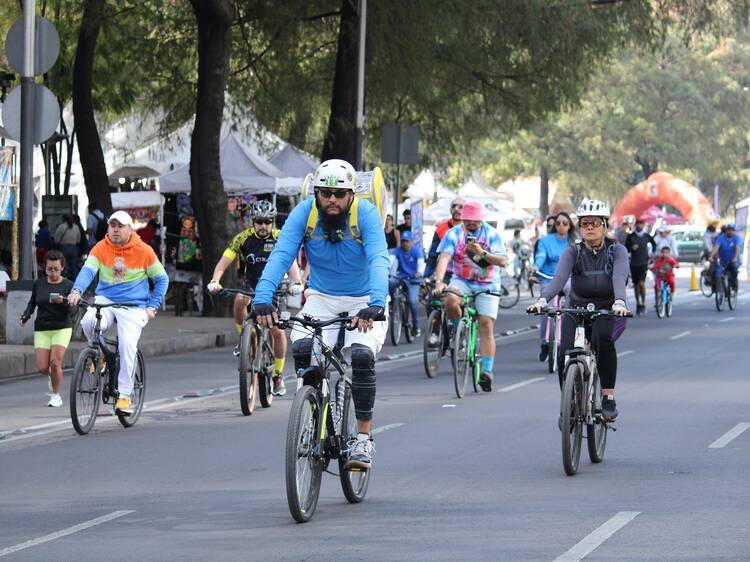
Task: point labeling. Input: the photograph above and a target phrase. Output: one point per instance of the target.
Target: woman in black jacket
(53, 325)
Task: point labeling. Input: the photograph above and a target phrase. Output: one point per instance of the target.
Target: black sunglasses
(337, 193)
(263, 221)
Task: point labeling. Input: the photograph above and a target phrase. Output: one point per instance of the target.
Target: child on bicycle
(663, 268)
(408, 265)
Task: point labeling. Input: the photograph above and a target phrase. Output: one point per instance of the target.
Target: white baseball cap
(122, 217)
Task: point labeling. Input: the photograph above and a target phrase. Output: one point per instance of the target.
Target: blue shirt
(345, 268)
(727, 246)
(548, 254)
(478, 277)
(408, 262)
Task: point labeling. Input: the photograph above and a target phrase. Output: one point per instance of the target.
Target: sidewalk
(164, 335)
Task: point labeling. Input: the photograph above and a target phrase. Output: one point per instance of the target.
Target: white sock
(362, 436)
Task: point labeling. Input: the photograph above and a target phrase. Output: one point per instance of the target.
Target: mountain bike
(663, 298)
(400, 313)
(580, 402)
(726, 291)
(322, 425)
(437, 333)
(553, 332)
(510, 290)
(465, 350)
(95, 377)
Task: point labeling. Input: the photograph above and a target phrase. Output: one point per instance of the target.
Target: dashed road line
(726, 320)
(594, 540)
(519, 384)
(65, 532)
(624, 353)
(680, 335)
(729, 436)
(383, 428)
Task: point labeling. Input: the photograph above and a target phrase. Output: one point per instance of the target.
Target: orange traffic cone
(694, 279)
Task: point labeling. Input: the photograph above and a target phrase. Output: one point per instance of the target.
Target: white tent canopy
(294, 162)
(242, 171)
(133, 199)
(425, 185)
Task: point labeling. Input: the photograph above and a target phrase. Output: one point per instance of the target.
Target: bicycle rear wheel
(85, 391)
(596, 433)
(264, 373)
(304, 464)
(552, 345)
(461, 359)
(395, 320)
(731, 297)
(572, 427)
(511, 292)
(248, 376)
(138, 396)
(432, 353)
(407, 321)
(706, 285)
(354, 483)
(668, 305)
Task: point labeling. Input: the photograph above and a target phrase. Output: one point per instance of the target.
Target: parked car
(689, 240)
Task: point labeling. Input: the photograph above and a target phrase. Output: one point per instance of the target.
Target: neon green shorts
(47, 338)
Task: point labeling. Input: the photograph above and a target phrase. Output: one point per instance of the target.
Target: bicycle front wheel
(263, 368)
(407, 321)
(433, 343)
(304, 463)
(354, 482)
(706, 285)
(731, 297)
(396, 324)
(461, 360)
(511, 294)
(85, 391)
(138, 395)
(571, 404)
(248, 376)
(668, 306)
(719, 294)
(659, 305)
(552, 345)
(596, 432)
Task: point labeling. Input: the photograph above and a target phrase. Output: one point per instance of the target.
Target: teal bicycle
(465, 350)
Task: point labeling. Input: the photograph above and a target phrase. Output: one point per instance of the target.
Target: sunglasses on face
(562, 223)
(337, 193)
(53, 269)
(263, 221)
(591, 224)
(457, 206)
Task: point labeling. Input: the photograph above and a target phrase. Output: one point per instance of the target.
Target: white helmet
(593, 208)
(335, 174)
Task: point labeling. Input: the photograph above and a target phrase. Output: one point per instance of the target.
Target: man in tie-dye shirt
(477, 253)
(124, 263)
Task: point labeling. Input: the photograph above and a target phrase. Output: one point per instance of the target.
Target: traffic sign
(46, 47)
(46, 114)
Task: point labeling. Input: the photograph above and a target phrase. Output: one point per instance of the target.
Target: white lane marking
(383, 428)
(729, 436)
(449, 405)
(680, 335)
(624, 353)
(726, 320)
(65, 532)
(594, 540)
(519, 384)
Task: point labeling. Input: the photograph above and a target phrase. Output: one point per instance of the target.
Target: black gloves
(371, 313)
(263, 309)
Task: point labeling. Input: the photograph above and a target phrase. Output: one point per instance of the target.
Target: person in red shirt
(663, 268)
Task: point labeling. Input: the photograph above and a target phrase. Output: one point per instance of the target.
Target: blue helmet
(406, 235)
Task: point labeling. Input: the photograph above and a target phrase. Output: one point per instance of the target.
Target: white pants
(130, 322)
(324, 307)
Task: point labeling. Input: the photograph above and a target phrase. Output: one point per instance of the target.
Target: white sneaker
(55, 401)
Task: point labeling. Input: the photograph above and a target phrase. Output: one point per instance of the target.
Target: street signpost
(399, 144)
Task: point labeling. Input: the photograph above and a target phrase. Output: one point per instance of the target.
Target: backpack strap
(354, 230)
(312, 221)
(609, 266)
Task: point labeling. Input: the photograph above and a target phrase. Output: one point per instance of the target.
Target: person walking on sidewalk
(125, 264)
(53, 325)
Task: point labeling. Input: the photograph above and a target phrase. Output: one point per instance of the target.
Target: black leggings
(599, 333)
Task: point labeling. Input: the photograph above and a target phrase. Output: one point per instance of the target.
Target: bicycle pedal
(357, 469)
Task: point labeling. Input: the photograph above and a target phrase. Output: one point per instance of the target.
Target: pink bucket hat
(472, 211)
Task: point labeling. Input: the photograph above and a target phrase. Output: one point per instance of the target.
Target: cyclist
(547, 256)
(709, 237)
(441, 228)
(598, 269)
(124, 263)
(252, 247)
(637, 243)
(348, 274)
(477, 253)
(727, 248)
(408, 266)
(663, 269)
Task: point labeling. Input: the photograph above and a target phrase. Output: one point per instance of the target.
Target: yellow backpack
(370, 186)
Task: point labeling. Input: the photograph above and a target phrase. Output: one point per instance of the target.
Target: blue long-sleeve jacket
(548, 254)
(345, 268)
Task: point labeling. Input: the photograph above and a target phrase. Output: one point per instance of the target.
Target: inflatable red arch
(661, 188)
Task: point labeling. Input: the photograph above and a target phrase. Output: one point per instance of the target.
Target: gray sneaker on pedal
(360, 452)
(279, 388)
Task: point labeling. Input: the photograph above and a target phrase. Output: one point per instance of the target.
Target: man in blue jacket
(407, 267)
(349, 265)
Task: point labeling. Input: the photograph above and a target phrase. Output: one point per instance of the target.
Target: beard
(334, 226)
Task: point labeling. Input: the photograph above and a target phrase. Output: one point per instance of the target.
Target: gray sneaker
(279, 388)
(360, 454)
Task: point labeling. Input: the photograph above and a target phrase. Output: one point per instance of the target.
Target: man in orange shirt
(457, 206)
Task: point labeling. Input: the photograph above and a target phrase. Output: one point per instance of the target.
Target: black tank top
(390, 238)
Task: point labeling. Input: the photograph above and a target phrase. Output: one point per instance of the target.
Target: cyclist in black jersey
(252, 247)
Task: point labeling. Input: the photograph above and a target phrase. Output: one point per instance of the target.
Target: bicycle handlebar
(473, 294)
(577, 311)
(315, 324)
(107, 305)
(283, 289)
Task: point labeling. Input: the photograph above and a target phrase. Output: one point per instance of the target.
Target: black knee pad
(362, 357)
(301, 350)
(363, 381)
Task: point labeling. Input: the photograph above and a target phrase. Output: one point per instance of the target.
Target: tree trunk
(89, 145)
(214, 18)
(544, 192)
(341, 139)
(297, 134)
(647, 167)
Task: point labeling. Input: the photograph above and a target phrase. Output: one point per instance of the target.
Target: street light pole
(359, 150)
(26, 199)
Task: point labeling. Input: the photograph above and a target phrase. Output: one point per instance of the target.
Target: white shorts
(486, 305)
(324, 307)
